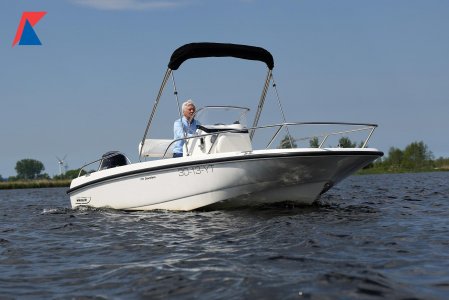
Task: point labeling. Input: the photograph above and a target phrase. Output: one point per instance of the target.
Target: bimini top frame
(202, 50)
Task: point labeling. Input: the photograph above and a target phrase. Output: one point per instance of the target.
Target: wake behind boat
(221, 165)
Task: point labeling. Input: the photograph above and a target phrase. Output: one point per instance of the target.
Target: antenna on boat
(282, 111)
(62, 167)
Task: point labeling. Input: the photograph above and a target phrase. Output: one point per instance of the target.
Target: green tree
(288, 142)
(1, 178)
(314, 142)
(417, 156)
(29, 168)
(43, 176)
(442, 163)
(70, 174)
(345, 142)
(395, 156)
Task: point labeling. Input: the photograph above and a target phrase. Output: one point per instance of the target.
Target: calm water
(371, 237)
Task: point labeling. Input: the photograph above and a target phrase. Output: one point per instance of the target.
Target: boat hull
(240, 179)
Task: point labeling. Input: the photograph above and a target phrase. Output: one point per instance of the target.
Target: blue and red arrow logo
(25, 34)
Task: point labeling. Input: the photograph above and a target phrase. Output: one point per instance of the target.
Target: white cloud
(130, 4)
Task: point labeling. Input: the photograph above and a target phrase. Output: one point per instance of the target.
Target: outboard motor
(112, 159)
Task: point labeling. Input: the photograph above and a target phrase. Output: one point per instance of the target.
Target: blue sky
(91, 85)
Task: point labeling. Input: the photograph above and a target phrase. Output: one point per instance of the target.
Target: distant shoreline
(31, 184)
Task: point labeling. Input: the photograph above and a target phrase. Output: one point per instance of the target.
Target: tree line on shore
(31, 169)
(415, 157)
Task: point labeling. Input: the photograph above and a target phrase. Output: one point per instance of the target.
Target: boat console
(219, 138)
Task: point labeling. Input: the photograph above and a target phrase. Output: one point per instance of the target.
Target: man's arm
(177, 130)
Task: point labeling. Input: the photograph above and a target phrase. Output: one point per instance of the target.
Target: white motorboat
(221, 166)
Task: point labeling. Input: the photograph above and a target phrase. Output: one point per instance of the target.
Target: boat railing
(279, 127)
(99, 161)
(325, 135)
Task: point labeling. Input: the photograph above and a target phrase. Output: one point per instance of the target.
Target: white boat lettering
(196, 170)
(147, 177)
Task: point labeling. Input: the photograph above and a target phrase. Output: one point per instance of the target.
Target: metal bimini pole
(156, 102)
(261, 103)
(175, 91)
(282, 110)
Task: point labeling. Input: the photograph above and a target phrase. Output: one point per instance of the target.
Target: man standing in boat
(184, 127)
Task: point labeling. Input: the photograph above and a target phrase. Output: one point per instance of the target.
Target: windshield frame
(239, 112)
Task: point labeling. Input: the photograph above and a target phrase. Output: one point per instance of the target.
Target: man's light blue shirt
(178, 130)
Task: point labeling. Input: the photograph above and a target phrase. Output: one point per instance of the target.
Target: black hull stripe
(225, 159)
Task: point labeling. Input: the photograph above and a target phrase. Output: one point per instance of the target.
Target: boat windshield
(222, 115)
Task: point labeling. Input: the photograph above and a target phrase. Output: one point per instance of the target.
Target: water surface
(370, 237)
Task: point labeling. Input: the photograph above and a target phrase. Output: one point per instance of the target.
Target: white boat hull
(229, 180)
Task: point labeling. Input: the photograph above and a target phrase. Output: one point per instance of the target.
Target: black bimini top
(198, 50)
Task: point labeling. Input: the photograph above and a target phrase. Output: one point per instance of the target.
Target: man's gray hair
(187, 103)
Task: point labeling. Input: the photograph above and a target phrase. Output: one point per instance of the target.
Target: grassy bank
(31, 184)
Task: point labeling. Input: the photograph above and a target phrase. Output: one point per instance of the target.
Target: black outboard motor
(112, 159)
